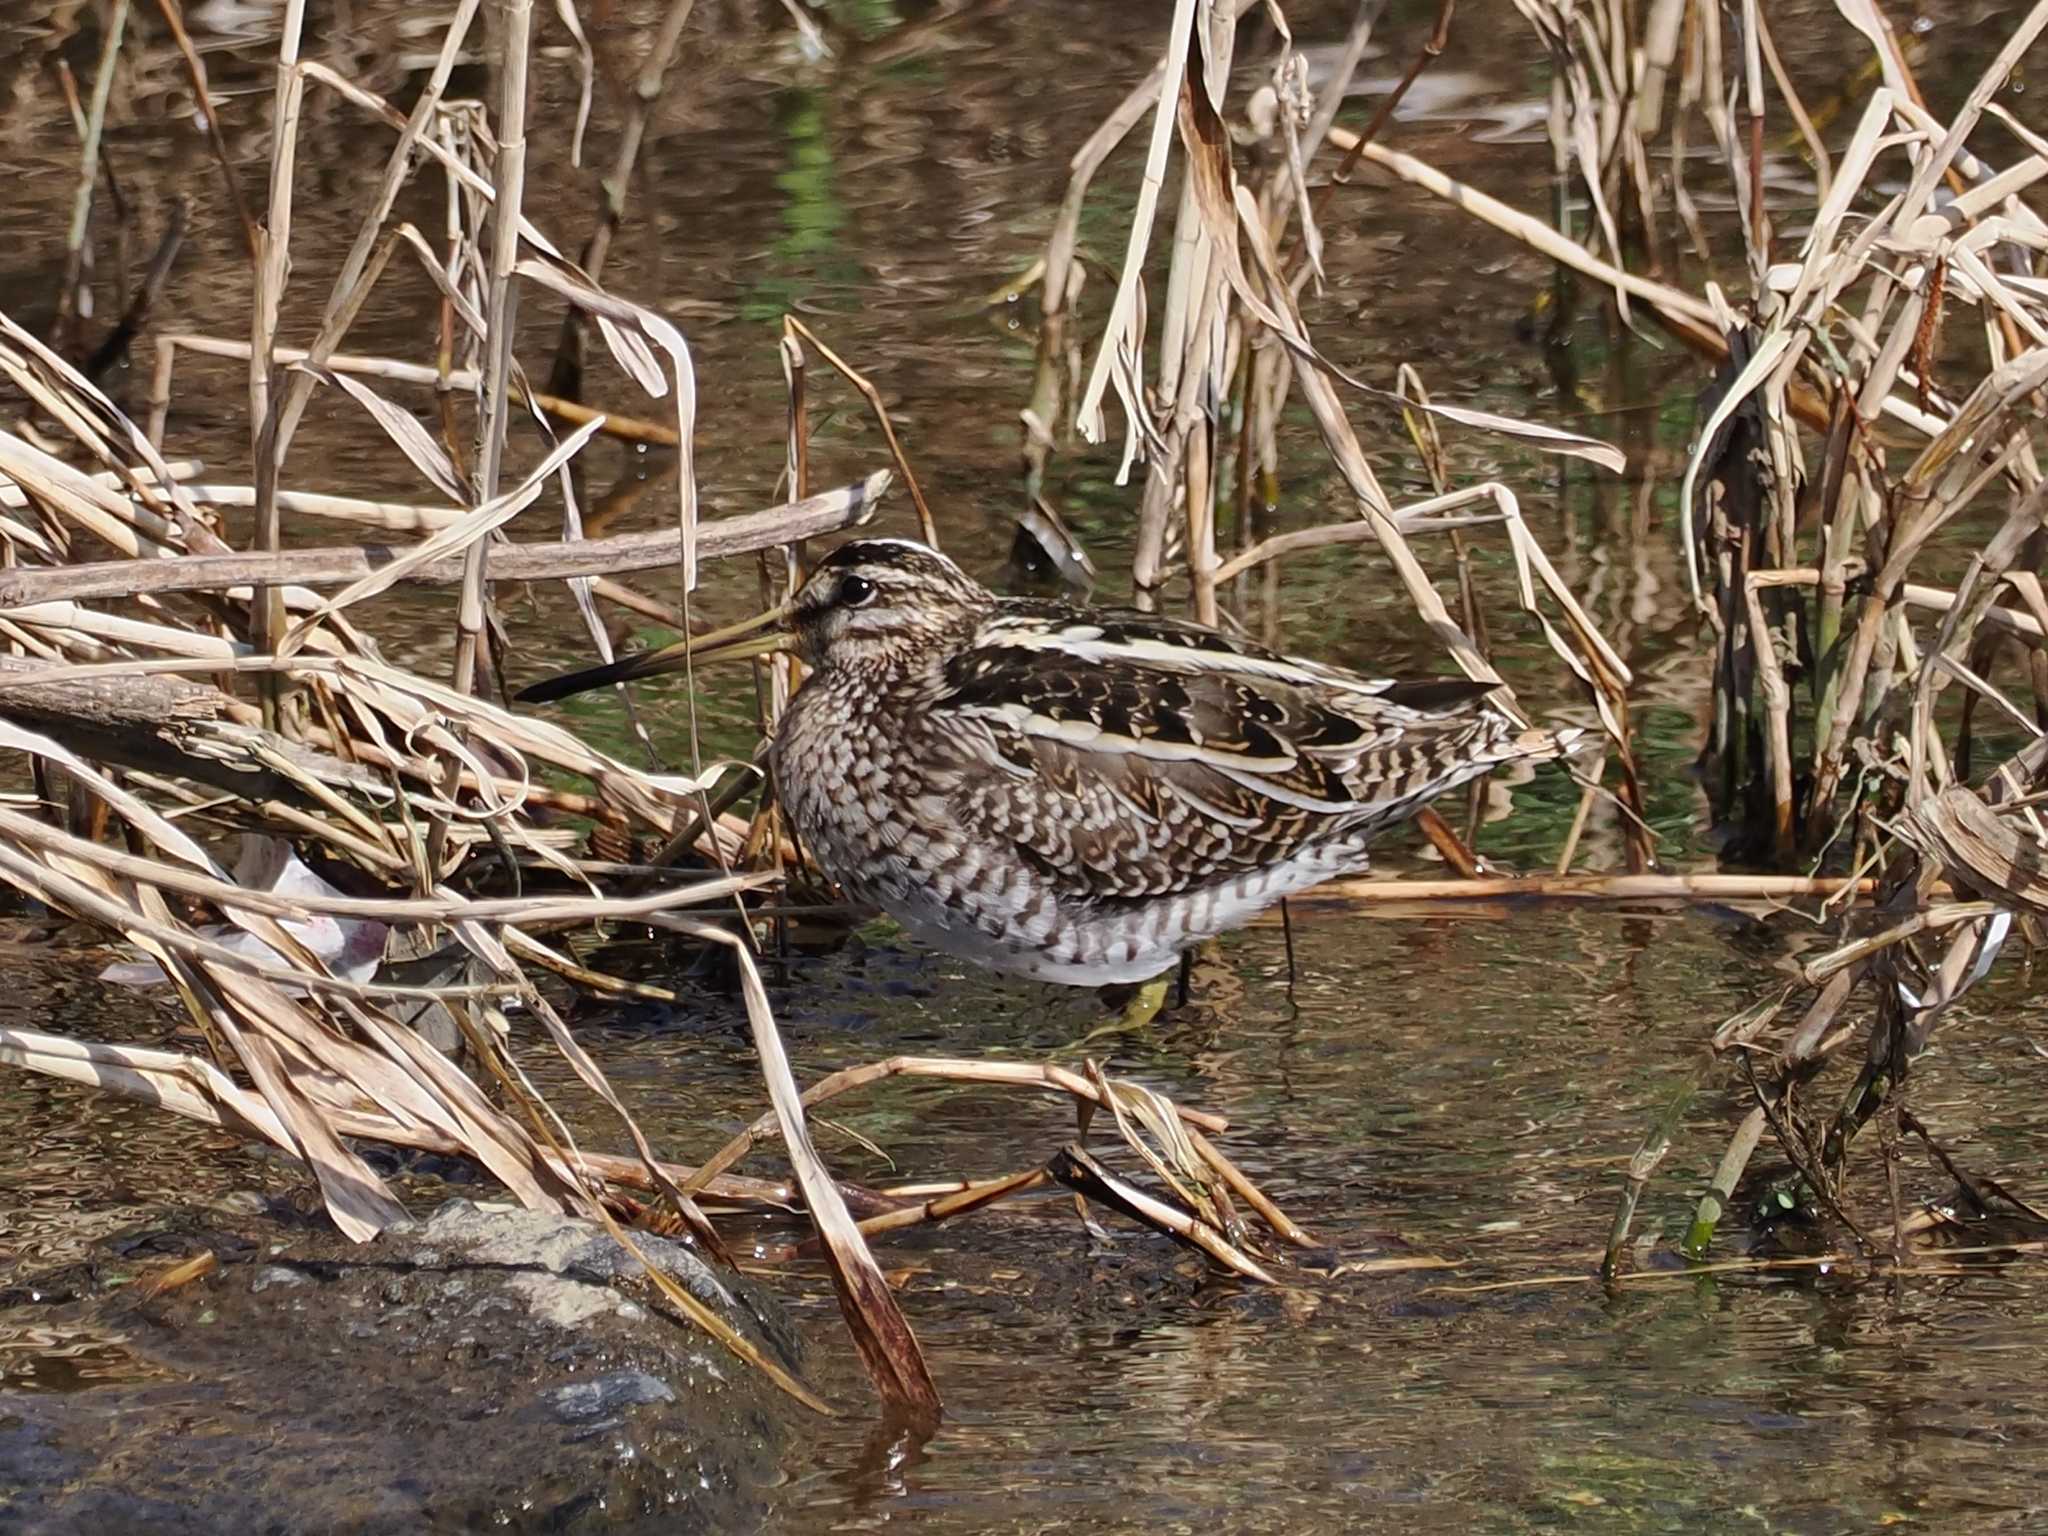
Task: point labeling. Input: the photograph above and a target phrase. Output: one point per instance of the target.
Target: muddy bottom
(487, 1369)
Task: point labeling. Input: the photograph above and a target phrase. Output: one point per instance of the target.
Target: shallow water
(1465, 1087)
(1465, 1090)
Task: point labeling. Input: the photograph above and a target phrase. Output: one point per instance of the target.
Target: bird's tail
(1494, 740)
(1538, 744)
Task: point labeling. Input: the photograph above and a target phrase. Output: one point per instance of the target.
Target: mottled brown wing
(1127, 776)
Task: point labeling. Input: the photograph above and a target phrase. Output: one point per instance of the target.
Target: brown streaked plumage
(1080, 794)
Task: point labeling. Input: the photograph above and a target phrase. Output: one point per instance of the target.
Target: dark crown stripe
(883, 552)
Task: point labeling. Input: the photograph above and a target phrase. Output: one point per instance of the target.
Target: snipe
(1080, 794)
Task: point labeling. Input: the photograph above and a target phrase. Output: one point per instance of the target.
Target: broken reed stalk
(881, 1334)
(1083, 1174)
(928, 528)
(828, 512)
(513, 40)
(1771, 889)
(964, 1200)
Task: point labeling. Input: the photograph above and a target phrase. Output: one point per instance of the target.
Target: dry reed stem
(271, 270)
(828, 512)
(881, 1334)
(202, 98)
(1679, 887)
(1283, 1225)
(928, 527)
(514, 46)
(316, 361)
(965, 1200)
(75, 252)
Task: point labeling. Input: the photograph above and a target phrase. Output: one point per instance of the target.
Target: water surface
(1463, 1087)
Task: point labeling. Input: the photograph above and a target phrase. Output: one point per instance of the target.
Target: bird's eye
(856, 590)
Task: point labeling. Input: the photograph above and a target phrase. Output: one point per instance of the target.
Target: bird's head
(873, 604)
(878, 602)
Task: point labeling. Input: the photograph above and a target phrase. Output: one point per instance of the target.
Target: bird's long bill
(759, 636)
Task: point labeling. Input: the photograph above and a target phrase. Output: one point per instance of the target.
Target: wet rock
(608, 1394)
(485, 1370)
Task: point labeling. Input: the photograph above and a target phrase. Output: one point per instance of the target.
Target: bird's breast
(861, 783)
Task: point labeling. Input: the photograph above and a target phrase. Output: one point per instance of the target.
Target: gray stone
(605, 1395)
(492, 1234)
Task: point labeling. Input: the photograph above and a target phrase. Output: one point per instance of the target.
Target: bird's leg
(1144, 1006)
(1138, 1007)
(1141, 1006)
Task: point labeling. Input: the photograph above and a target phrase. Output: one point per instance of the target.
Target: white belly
(1029, 932)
